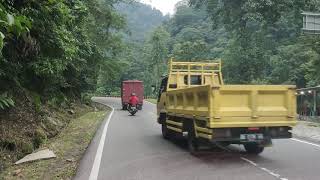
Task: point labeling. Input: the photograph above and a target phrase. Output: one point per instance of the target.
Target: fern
(6, 101)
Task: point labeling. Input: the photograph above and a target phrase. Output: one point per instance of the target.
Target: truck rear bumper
(264, 134)
(223, 123)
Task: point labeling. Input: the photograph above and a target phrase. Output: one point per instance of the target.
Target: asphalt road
(133, 149)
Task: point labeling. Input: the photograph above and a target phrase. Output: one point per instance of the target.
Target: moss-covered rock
(26, 147)
(39, 137)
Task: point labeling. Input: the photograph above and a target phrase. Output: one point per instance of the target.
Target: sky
(165, 6)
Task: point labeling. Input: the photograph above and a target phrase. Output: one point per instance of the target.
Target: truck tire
(223, 144)
(162, 118)
(253, 148)
(193, 143)
(166, 133)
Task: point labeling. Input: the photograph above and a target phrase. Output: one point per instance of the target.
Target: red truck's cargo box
(129, 87)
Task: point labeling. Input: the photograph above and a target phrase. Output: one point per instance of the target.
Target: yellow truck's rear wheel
(253, 148)
(193, 143)
(166, 133)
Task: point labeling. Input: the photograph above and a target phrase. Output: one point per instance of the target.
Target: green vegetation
(141, 20)
(140, 50)
(24, 130)
(5, 101)
(258, 42)
(62, 50)
(69, 147)
(55, 54)
(57, 48)
(52, 54)
(154, 101)
(264, 41)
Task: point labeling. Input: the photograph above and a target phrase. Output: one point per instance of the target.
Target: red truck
(128, 87)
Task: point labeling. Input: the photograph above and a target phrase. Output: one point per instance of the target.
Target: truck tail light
(253, 129)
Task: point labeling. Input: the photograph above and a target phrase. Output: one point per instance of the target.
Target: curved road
(132, 148)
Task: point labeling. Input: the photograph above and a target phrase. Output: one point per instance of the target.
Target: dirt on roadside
(69, 146)
(28, 125)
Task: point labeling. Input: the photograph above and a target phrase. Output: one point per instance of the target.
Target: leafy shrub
(37, 101)
(26, 147)
(39, 138)
(6, 101)
(86, 98)
(59, 99)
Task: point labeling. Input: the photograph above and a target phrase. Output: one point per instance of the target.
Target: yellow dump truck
(194, 101)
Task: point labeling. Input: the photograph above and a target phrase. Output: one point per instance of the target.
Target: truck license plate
(251, 137)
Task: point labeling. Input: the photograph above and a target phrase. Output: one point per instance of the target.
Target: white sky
(165, 6)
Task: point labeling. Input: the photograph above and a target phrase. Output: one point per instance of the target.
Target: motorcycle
(132, 110)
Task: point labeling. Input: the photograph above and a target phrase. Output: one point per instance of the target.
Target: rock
(17, 172)
(43, 154)
(70, 111)
(70, 160)
(51, 120)
(51, 123)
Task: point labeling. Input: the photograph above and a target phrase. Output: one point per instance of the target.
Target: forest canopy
(65, 49)
(56, 48)
(259, 42)
(265, 43)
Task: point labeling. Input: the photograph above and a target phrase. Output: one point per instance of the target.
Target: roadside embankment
(153, 101)
(307, 130)
(69, 146)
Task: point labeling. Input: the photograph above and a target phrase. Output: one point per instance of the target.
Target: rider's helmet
(133, 94)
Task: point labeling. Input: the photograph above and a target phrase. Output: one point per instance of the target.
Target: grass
(154, 101)
(69, 146)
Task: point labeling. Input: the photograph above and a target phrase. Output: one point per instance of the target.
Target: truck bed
(228, 106)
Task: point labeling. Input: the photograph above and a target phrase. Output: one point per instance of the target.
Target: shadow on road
(211, 153)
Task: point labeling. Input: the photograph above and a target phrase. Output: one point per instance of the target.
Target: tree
(259, 31)
(191, 50)
(134, 60)
(311, 46)
(57, 48)
(192, 36)
(159, 52)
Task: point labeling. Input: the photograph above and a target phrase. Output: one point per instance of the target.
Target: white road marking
(97, 160)
(278, 176)
(264, 169)
(305, 142)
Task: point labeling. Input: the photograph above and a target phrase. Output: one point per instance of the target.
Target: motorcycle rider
(134, 100)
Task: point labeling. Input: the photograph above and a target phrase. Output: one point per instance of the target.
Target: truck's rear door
(252, 106)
